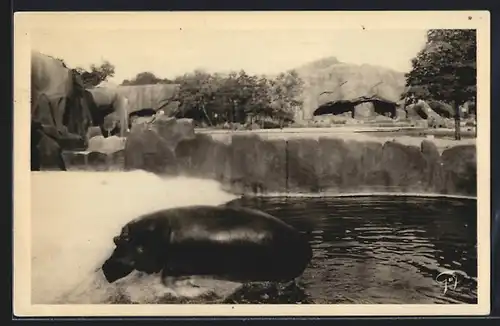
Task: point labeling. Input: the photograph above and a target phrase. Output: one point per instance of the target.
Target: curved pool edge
(359, 194)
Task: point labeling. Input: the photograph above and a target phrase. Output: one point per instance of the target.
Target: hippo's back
(239, 243)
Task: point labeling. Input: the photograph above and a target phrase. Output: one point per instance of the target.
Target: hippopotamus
(229, 243)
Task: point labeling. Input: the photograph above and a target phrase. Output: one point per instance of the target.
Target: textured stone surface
(302, 165)
(93, 132)
(151, 145)
(435, 174)
(460, 170)
(250, 164)
(203, 157)
(106, 145)
(257, 166)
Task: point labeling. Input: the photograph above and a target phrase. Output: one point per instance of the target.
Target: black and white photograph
(251, 163)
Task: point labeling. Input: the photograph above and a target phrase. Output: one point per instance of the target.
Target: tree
(285, 95)
(445, 70)
(239, 97)
(97, 74)
(146, 78)
(195, 94)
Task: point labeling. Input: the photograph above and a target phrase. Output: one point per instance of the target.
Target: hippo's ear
(125, 231)
(120, 240)
(117, 240)
(123, 237)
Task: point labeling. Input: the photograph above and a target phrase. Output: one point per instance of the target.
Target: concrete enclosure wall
(249, 164)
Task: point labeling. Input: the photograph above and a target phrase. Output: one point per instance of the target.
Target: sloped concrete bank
(249, 164)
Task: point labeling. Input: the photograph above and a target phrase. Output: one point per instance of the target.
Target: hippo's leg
(168, 281)
(168, 276)
(192, 282)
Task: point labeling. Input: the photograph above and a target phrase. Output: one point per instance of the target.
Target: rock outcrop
(459, 170)
(329, 80)
(423, 110)
(151, 146)
(102, 154)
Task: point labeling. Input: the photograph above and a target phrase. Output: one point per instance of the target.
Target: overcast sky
(168, 52)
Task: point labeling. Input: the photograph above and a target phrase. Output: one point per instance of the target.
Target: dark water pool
(383, 249)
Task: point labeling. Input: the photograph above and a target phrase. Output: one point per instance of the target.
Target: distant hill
(328, 73)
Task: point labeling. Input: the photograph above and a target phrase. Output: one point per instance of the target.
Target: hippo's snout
(119, 265)
(114, 269)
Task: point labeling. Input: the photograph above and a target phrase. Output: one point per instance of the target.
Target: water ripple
(383, 249)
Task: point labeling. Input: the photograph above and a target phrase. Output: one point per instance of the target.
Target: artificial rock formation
(249, 164)
(102, 154)
(151, 146)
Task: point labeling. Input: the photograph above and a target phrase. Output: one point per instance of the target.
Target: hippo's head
(137, 249)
